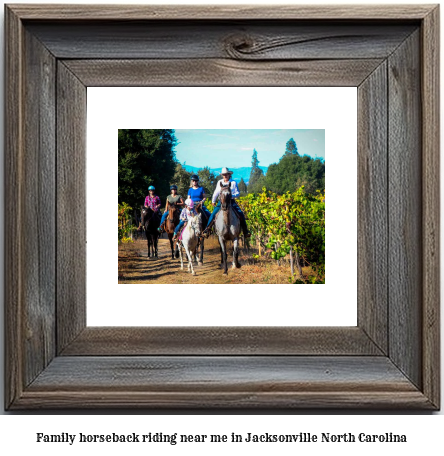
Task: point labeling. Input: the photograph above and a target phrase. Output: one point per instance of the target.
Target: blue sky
(234, 148)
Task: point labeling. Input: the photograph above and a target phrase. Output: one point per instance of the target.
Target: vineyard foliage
(278, 223)
(125, 223)
(289, 221)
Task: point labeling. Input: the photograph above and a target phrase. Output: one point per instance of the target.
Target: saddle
(179, 236)
(237, 214)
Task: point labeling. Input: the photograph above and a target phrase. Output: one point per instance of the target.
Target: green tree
(293, 171)
(242, 187)
(145, 157)
(181, 178)
(257, 185)
(256, 173)
(291, 148)
(207, 180)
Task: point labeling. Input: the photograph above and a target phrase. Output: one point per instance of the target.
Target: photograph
(221, 206)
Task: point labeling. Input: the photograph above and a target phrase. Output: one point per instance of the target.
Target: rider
(226, 174)
(197, 194)
(152, 200)
(189, 211)
(174, 198)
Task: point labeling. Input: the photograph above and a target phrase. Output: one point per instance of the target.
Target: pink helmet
(190, 203)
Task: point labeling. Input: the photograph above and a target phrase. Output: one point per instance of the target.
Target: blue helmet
(173, 187)
(151, 188)
(195, 177)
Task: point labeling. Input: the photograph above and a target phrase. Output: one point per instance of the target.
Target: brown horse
(170, 224)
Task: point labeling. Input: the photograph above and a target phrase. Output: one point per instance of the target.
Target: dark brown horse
(170, 223)
(150, 223)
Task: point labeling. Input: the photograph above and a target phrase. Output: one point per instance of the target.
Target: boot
(206, 232)
(161, 228)
(244, 227)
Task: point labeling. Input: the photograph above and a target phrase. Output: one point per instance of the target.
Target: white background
(17, 432)
(329, 304)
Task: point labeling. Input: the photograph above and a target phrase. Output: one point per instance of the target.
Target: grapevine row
(125, 225)
(292, 223)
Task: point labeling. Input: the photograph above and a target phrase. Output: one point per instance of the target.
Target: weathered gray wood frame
(390, 360)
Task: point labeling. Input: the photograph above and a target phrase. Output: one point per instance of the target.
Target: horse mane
(145, 207)
(149, 215)
(172, 208)
(225, 196)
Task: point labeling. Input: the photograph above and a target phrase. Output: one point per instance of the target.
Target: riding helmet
(173, 187)
(195, 177)
(151, 187)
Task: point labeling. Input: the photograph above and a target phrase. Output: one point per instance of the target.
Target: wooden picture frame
(390, 360)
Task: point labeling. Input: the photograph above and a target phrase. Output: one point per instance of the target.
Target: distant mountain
(238, 174)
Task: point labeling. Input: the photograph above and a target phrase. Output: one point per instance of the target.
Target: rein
(148, 219)
(172, 212)
(199, 206)
(193, 227)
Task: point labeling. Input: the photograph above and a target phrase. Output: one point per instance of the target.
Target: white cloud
(223, 136)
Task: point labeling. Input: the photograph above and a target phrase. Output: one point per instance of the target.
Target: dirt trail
(136, 267)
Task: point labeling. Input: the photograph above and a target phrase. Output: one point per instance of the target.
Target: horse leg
(236, 263)
(177, 250)
(155, 241)
(201, 252)
(224, 255)
(221, 255)
(148, 241)
(190, 261)
(180, 253)
(170, 237)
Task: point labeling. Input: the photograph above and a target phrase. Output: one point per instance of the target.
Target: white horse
(190, 239)
(228, 228)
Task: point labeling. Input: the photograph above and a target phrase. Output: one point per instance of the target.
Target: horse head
(225, 196)
(198, 207)
(196, 224)
(146, 214)
(172, 209)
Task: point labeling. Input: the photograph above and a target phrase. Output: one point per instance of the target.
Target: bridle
(226, 192)
(172, 211)
(193, 225)
(147, 220)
